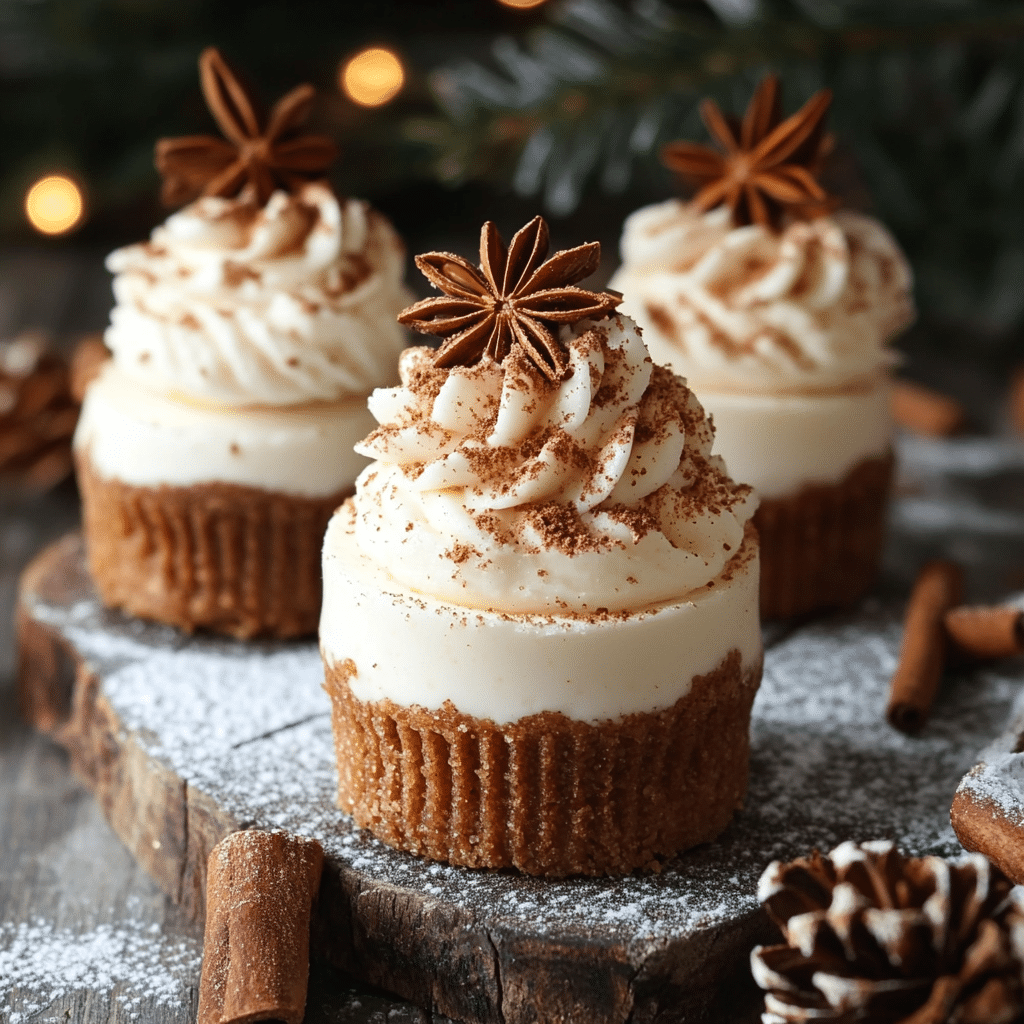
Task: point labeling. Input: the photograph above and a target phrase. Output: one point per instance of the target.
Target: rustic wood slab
(184, 739)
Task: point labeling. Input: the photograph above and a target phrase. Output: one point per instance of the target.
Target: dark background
(561, 108)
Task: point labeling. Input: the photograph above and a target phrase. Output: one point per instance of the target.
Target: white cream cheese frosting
(522, 545)
(810, 308)
(136, 435)
(417, 650)
(780, 443)
(497, 490)
(286, 304)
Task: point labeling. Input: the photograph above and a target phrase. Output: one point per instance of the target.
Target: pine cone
(37, 414)
(877, 937)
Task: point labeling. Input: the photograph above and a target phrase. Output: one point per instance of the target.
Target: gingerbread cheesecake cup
(246, 336)
(540, 627)
(778, 310)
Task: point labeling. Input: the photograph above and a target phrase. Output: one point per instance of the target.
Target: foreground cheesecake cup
(247, 333)
(778, 313)
(540, 627)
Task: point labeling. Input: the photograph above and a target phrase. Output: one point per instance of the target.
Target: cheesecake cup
(210, 517)
(540, 629)
(783, 336)
(555, 744)
(215, 444)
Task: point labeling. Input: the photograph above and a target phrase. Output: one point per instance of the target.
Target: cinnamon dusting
(560, 527)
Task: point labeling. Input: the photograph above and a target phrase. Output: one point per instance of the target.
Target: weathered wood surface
(155, 726)
(171, 792)
(64, 874)
(99, 942)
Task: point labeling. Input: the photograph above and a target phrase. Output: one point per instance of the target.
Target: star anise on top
(254, 157)
(767, 166)
(512, 300)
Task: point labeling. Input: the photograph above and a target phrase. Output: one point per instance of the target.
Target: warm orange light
(521, 4)
(54, 204)
(372, 77)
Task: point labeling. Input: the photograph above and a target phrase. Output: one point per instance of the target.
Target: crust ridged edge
(821, 547)
(546, 794)
(238, 560)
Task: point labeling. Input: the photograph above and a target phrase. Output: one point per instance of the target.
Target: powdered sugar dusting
(136, 968)
(998, 778)
(208, 702)
(1001, 782)
(248, 724)
(250, 727)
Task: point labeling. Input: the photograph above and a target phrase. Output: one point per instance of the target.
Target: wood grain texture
(65, 875)
(186, 738)
(61, 864)
(459, 960)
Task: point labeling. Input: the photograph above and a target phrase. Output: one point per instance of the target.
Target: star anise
(768, 166)
(254, 158)
(509, 301)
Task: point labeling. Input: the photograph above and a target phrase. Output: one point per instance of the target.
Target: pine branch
(929, 106)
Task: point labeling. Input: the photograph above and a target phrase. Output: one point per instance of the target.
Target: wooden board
(184, 739)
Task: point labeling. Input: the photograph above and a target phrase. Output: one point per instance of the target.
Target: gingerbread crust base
(234, 559)
(821, 547)
(546, 794)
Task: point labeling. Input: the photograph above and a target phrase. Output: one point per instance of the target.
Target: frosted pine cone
(37, 414)
(877, 937)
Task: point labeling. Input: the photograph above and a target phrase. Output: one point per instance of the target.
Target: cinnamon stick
(986, 632)
(259, 896)
(924, 411)
(922, 656)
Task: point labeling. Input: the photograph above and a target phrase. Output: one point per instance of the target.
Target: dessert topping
(872, 935)
(254, 158)
(509, 301)
(768, 166)
(529, 495)
(748, 309)
(287, 303)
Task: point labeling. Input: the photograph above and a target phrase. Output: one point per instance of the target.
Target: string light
(54, 204)
(521, 4)
(372, 77)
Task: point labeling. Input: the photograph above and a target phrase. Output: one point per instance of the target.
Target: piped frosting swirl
(235, 304)
(497, 488)
(748, 309)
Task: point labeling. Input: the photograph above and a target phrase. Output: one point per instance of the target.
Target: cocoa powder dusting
(560, 527)
(459, 553)
(236, 274)
(493, 524)
(551, 521)
(639, 521)
(425, 382)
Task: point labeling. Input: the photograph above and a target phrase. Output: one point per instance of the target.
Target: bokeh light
(54, 204)
(372, 77)
(521, 4)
